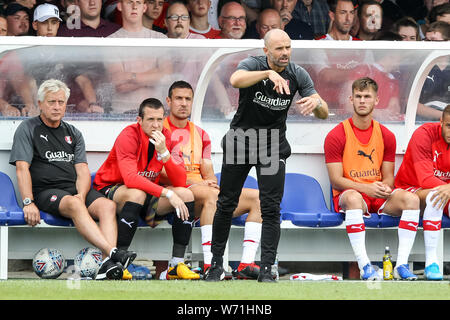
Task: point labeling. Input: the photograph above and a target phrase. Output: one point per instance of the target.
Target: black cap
(15, 7)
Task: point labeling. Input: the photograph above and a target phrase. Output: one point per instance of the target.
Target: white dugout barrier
(207, 64)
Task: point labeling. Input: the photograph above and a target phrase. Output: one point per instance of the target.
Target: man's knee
(351, 199)
(133, 195)
(409, 200)
(210, 198)
(103, 208)
(72, 206)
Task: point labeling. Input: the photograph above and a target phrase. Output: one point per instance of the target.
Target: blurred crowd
(127, 80)
(409, 20)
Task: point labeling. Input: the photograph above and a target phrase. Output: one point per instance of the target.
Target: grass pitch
(18, 289)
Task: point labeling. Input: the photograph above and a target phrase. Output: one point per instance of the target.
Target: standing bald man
(267, 85)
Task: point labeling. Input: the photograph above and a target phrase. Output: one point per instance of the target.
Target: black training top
(263, 109)
(51, 153)
(260, 106)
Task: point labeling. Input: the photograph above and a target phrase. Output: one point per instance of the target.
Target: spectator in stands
(253, 9)
(130, 177)
(407, 28)
(132, 12)
(391, 13)
(370, 16)
(423, 171)
(177, 22)
(66, 8)
(267, 20)
(385, 72)
(438, 31)
(53, 176)
(154, 10)
(294, 27)
(315, 14)
(270, 102)
(440, 13)
(17, 17)
(9, 67)
(14, 86)
(46, 20)
(199, 19)
(27, 3)
(435, 94)
(135, 75)
(431, 15)
(342, 14)
(332, 71)
(203, 183)
(12, 78)
(360, 158)
(213, 13)
(89, 23)
(433, 3)
(42, 63)
(356, 25)
(232, 21)
(3, 26)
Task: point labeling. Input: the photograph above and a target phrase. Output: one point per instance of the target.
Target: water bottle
(275, 269)
(387, 265)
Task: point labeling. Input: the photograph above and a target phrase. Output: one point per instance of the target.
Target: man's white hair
(52, 85)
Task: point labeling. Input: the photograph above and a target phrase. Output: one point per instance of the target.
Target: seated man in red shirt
(425, 170)
(130, 177)
(360, 156)
(195, 145)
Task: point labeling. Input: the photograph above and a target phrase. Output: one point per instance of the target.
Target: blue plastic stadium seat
(304, 204)
(250, 183)
(381, 221)
(56, 221)
(10, 212)
(92, 178)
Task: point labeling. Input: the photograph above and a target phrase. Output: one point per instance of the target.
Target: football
(48, 263)
(87, 262)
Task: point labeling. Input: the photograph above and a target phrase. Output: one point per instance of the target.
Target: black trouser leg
(271, 189)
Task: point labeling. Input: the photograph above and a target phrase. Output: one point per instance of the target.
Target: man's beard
(236, 34)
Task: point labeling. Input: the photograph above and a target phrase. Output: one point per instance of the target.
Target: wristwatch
(27, 201)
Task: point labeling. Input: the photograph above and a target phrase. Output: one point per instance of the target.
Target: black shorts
(150, 204)
(48, 200)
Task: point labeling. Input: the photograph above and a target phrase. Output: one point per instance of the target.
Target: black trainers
(110, 270)
(214, 273)
(265, 274)
(125, 258)
(248, 271)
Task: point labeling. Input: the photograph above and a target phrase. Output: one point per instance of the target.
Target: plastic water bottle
(387, 265)
(275, 268)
